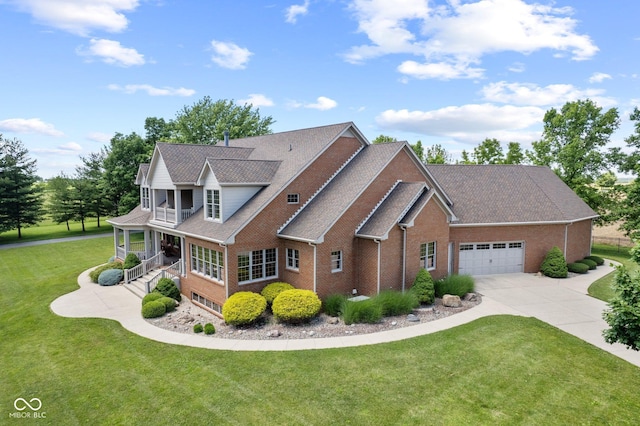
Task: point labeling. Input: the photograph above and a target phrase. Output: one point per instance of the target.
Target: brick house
(325, 210)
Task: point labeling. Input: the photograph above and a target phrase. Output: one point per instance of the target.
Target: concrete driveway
(563, 303)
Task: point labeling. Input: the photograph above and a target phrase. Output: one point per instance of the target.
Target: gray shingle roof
(502, 194)
(136, 217)
(232, 171)
(184, 161)
(394, 207)
(295, 150)
(317, 217)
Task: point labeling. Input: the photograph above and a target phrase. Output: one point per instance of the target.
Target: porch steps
(138, 287)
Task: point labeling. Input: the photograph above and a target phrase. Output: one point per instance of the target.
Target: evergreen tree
(60, 201)
(20, 197)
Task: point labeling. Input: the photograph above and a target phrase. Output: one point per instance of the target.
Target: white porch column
(147, 244)
(116, 240)
(126, 242)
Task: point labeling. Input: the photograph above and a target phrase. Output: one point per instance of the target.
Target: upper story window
(293, 198)
(146, 199)
(212, 204)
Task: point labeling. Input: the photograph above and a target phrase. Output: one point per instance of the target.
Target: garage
(491, 258)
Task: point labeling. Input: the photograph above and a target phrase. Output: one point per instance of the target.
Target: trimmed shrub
(95, 274)
(590, 263)
(271, 291)
(151, 297)
(243, 308)
(334, 304)
(153, 309)
(599, 261)
(423, 287)
(396, 303)
(209, 328)
(110, 277)
(457, 285)
(169, 303)
(554, 264)
(296, 306)
(197, 328)
(578, 268)
(167, 287)
(362, 311)
(131, 261)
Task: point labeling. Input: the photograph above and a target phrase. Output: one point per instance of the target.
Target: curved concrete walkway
(562, 303)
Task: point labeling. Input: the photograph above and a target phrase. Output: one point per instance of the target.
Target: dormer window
(145, 199)
(293, 198)
(212, 205)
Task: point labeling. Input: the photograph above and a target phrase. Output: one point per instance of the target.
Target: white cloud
(599, 77)
(461, 33)
(230, 55)
(100, 137)
(517, 67)
(322, 103)
(70, 148)
(29, 125)
(257, 100)
(112, 53)
(467, 123)
(294, 10)
(80, 17)
(532, 94)
(151, 91)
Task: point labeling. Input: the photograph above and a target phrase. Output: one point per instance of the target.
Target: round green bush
(151, 297)
(95, 274)
(110, 277)
(578, 268)
(590, 263)
(243, 308)
(423, 287)
(131, 261)
(554, 264)
(153, 309)
(334, 304)
(271, 291)
(169, 303)
(296, 306)
(599, 261)
(167, 287)
(209, 328)
(198, 328)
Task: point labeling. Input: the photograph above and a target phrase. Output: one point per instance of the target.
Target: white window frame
(211, 207)
(293, 198)
(336, 261)
(293, 259)
(428, 255)
(258, 271)
(145, 198)
(207, 262)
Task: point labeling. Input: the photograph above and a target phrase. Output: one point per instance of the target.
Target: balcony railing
(165, 214)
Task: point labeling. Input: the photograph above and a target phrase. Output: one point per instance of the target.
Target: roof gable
(240, 172)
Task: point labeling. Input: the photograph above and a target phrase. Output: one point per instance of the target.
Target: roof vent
(226, 138)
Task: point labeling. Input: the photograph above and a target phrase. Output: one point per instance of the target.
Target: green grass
(602, 288)
(47, 230)
(496, 370)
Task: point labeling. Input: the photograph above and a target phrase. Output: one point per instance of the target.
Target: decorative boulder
(110, 277)
(451, 301)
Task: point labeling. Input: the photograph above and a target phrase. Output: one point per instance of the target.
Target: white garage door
(491, 258)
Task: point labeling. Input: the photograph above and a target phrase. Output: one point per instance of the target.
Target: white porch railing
(186, 213)
(143, 268)
(168, 215)
(172, 271)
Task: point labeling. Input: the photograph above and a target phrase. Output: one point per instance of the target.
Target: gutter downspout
(226, 270)
(315, 267)
(566, 237)
(404, 256)
(378, 243)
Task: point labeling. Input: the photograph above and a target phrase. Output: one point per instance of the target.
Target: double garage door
(491, 258)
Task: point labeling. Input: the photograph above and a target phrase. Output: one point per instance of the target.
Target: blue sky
(75, 72)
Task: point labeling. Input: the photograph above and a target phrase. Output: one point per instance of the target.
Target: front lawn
(602, 288)
(496, 370)
(47, 230)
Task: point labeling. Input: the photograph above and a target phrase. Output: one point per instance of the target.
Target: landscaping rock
(274, 333)
(470, 297)
(451, 301)
(413, 318)
(333, 320)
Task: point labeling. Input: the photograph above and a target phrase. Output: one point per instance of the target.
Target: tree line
(573, 144)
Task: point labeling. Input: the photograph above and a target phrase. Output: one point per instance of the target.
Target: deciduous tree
(436, 154)
(488, 152)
